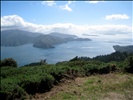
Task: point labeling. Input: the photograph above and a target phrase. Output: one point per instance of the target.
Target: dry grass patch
(113, 86)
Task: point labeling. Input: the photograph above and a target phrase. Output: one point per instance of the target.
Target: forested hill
(128, 49)
(115, 56)
(17, 37)
(39, 40)
(121, 52)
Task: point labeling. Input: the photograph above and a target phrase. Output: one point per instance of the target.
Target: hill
(47, 41)
(16, 37)
(19, 37)
(62, 35)
(128, 49)
(54, 38)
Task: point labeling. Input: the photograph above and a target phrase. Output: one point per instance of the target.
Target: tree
(9, 62)
(129, 68)
(43, 62)
(74, 59)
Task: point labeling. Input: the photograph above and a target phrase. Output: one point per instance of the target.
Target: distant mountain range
(39, 40)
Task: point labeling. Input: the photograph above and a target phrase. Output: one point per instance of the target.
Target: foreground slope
(112, 86)
(100, 78)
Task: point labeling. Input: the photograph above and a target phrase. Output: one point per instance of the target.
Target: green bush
(36, 83)
(10, 89)
(8, 62)
(129, 64)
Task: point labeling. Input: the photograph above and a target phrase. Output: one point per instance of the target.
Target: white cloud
(63, 7)
(12, 20)
(94, 1)
(66, 7)
(49, 3)
(103, 31)
(116, 16)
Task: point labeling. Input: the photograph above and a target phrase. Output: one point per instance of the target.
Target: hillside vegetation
(123, 48)
(26, 81)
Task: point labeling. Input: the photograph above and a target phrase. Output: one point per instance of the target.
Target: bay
(26, 54)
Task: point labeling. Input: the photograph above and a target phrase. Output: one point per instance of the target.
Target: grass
(99, 87)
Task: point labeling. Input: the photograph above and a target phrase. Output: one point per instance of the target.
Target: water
(26, 54)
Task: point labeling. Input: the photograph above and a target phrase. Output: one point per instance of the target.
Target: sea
(26, 54)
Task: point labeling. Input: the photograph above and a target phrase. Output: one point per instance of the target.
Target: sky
(108, 20)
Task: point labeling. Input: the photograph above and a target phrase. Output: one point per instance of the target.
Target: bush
(129, 67)
(36, 83)
(10, 89)
(8, 62)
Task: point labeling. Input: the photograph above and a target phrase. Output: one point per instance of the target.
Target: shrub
(10, 89)
(37, 83)
(46, 83)
(104, 70)
(129, 67)
(9, 62)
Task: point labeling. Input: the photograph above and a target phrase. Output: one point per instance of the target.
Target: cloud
(12, 20)
(94, 1)
(49, 3)
(103, 31)
(116, 16)
(16, 22)
(63, 7)
(66, 6)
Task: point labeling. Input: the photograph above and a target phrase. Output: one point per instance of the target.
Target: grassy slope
(36, 81)
(116, 86)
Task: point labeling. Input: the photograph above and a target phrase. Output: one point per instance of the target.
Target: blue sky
(86, 17)
(82, 12)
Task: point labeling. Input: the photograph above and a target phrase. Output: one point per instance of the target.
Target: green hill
(128, 49)
(16, 37)
(47, 41)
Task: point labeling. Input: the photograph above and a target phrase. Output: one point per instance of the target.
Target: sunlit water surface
(26, 54)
